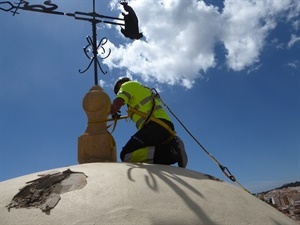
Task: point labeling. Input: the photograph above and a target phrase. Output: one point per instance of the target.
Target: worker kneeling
(155, 141)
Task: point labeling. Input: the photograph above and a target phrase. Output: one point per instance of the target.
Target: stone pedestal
(96, 144)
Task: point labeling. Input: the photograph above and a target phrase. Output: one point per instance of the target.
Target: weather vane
(129, 22)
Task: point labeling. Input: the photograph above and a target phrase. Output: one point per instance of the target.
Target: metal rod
(95, 48)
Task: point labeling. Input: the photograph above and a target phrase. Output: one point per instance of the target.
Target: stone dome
(124, 193)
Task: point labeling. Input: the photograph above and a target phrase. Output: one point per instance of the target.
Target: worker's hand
(117, 115)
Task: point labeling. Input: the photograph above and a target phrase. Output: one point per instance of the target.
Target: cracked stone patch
(44, 192)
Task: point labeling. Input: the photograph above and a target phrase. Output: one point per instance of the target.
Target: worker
(155, 141)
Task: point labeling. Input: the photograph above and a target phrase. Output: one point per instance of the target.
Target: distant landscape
(285, 198)
(292, 184)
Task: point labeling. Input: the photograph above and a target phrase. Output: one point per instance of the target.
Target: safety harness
(149, 116)
(152, 118)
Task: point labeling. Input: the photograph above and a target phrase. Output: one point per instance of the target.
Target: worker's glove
(117, 115)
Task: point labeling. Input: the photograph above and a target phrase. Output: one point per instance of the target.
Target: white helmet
(120, 80)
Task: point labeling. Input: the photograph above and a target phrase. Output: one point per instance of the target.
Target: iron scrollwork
(48, 7)
(87, 49)
(130, 24)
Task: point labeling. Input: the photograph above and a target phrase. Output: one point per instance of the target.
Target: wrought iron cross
(130, 25)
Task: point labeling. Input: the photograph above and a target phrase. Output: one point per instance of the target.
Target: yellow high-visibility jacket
(140, 97)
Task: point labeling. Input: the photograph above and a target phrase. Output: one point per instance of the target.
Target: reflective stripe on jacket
(140, 97)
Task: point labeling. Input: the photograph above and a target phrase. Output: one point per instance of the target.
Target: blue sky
(228, 70)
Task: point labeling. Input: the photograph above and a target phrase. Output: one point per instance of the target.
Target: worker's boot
(177, 147)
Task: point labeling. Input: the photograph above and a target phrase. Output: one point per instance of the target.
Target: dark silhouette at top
(131, 23)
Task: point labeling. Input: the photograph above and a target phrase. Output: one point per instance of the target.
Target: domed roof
(124, 193)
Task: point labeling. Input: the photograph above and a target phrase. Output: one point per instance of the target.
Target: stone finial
(96, 144)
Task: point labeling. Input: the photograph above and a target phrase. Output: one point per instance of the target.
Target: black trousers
(152, 134)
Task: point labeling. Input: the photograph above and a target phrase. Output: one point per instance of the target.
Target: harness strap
(151, 111)
(160, 122)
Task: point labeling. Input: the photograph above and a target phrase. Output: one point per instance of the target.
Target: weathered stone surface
(44, 192)
(124, 193)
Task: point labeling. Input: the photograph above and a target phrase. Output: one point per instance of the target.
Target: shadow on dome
(175, 179)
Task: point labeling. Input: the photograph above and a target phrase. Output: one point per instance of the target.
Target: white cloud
(296, 24)
(254, 68)
(102, 83)
(294, 64)
(181, 36)
(294, 11)
(294, 40)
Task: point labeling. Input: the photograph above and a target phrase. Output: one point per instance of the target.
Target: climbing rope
(224, 169)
